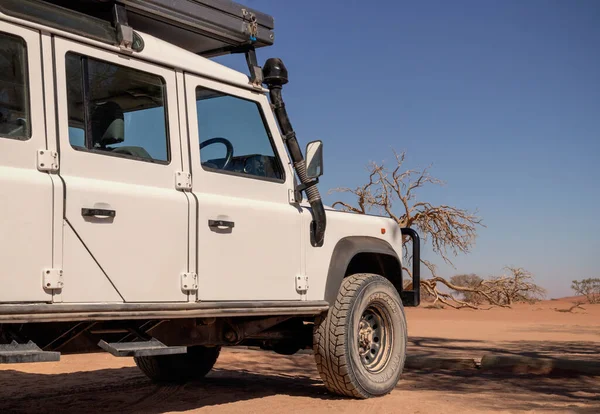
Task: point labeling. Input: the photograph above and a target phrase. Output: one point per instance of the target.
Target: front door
(126, 224)
(249, 245)
(25, 192)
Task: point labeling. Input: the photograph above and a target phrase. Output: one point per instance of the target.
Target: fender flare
(343, 253)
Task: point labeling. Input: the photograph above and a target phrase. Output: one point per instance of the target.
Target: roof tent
(205, 27)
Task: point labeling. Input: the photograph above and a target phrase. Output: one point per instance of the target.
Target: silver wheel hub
(374, 338)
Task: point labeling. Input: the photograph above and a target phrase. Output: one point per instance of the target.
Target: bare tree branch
(450, 231)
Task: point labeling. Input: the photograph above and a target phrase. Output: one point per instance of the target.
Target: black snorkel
(275, 75)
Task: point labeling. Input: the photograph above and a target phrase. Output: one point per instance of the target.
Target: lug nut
(230, 336)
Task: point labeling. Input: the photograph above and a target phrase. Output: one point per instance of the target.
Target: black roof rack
(205, 27)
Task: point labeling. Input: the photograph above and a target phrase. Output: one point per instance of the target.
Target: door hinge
(292, 196)
(53, 279)
(302, 283)
(183, 181)
(47, 160)
(189, 282)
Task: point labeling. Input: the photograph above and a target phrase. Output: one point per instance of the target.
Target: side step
(15, 353)
(143, 348)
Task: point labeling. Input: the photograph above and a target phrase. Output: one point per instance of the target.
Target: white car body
(157, 256)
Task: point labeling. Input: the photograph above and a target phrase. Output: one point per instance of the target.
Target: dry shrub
(590, 288)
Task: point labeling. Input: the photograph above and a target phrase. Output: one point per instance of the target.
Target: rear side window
(14, 89)
(116, 110)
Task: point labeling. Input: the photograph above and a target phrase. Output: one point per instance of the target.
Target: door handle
(98, 212)
(220, 223)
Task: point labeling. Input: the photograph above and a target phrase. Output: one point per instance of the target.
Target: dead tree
(576, 305)
(516, 287)
(449, 230)
(590, 288)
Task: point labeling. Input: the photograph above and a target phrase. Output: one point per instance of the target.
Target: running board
(29, 313)
(15, 353)
(139, 349)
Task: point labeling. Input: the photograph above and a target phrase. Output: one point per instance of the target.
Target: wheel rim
(375, 338)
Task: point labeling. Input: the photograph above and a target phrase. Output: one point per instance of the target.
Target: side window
(14, 91)
(233, 136)
(116, 110)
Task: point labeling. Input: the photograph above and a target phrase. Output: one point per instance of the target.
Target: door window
(14, 94)
(116, 110)
(234, 138)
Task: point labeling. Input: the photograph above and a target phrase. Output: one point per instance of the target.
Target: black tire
(179, 368)
(286, 348)
(355, 362)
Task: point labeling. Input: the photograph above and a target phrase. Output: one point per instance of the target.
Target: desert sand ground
(248, 381)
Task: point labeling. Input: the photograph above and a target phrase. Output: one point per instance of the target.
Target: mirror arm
(303, 186)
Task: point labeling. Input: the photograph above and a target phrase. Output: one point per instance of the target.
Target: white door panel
(255, 260)
(25, 232)
(260, 256)
(84, 280)
(143, 249)
(25, 193)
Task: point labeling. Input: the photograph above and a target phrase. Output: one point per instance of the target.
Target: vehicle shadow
(248, 375)
(126, 390)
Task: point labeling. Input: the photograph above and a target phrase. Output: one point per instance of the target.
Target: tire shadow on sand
(126, 390)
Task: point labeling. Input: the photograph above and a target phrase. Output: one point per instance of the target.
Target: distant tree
(590, 288)
(469, 280)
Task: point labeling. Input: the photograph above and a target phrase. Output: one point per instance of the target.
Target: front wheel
(360, 344)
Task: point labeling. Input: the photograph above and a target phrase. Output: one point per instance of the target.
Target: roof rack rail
(206, 27)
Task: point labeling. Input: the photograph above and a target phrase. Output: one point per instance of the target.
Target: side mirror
(314, 159)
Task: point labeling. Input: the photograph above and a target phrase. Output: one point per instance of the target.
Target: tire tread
(329, 343)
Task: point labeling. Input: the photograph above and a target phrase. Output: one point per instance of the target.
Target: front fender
(343, 253)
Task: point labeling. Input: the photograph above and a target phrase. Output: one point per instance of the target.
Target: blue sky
(502, 97)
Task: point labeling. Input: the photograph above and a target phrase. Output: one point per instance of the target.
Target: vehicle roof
(159, 52)
(167, 54)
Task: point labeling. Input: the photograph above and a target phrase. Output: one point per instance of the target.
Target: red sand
(246, 381)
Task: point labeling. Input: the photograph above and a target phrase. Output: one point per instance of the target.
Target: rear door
(25, 193)
(126, 224)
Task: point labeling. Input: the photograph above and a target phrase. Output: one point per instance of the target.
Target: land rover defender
(157, 205)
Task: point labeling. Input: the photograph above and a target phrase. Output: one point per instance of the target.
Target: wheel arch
(362, 254)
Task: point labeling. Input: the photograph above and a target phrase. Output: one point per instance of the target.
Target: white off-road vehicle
(151, 202)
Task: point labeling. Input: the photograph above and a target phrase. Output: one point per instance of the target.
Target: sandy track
(246, 381)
